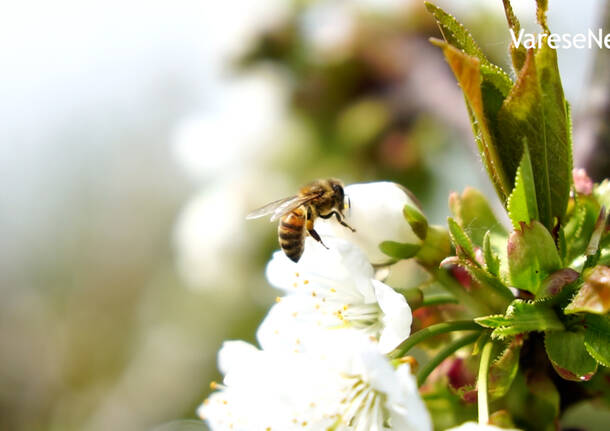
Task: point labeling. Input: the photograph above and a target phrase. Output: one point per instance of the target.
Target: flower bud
(377, 212)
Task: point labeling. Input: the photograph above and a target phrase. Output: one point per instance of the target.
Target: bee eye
(338, 189)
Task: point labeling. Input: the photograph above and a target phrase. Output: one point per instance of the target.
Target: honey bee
(321, 198)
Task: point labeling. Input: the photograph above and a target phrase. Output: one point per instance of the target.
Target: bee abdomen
(291, 233)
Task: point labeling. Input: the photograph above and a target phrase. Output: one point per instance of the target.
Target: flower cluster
(322, 360)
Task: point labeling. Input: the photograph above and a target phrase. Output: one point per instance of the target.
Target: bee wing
(281, 207)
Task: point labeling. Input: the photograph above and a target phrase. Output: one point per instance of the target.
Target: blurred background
(135, 136)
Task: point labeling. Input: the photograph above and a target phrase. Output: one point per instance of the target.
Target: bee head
(339, 194)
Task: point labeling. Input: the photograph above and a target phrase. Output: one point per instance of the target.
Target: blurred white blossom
(329, 27)
(236, 131)
(473, 426)
(376, 212)
(333, 288)
(211, 234)
(345, 384)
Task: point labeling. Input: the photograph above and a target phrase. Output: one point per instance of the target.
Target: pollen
(295, 285)
(333, 290)
(297, 274)
(278, 299)
(213, 385)
(298, 341)
(295, 314)
(345, 307)
(317, 306)
(306, 282)
(314, 294)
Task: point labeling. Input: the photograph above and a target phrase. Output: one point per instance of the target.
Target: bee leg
(346, 225)
(316, 236)
(339, 219)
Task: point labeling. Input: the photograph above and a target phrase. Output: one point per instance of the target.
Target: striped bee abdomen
(291, 233)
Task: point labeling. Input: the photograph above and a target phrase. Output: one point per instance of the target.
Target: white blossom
(376, 212)
(473, 426)
(334, 288)
(346, 384)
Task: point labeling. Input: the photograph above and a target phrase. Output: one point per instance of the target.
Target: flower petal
(397, 317)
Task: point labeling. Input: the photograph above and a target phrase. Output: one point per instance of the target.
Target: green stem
(444, 354)
(438, 300)
(482, 383)
(431, 331)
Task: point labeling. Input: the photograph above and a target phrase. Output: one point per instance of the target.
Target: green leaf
(460, 240)
(535, 113)
(522, 205)
(416, 220)
(517, 53)
(557, 125)
(505, 117)
(594, 294)
(597, 338)
(483, 100)
(580, 226)
(598, 230)
(504, 369)
(602, 193)
(542, 6)
(521, 317)
(521, 119)
(566, 350)
(455, 33)
(532, 256)
(398, 250)
(492, 321)
(492, 261)
(474, 214)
